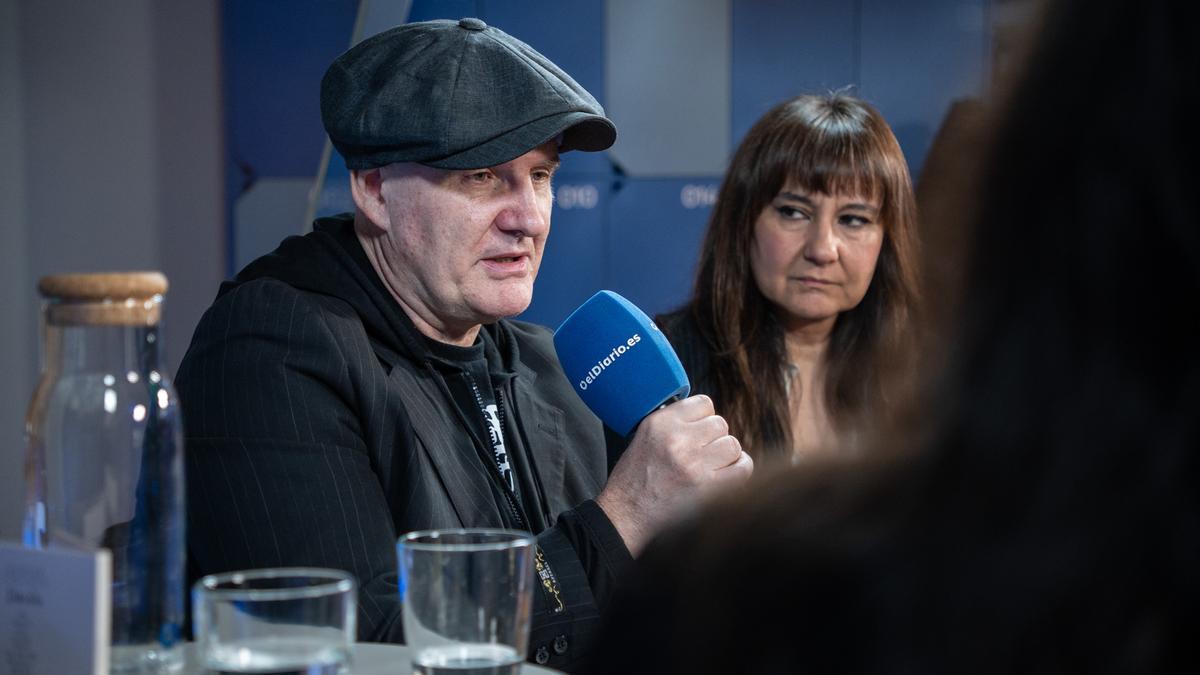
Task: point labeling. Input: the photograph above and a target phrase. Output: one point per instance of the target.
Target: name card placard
(55, 611)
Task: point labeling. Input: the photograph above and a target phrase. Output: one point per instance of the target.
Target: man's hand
(678, 453)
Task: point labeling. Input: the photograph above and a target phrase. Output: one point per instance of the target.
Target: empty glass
(277, 620)
(467, 596)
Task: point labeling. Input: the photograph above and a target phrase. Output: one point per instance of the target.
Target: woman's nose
(820, 247)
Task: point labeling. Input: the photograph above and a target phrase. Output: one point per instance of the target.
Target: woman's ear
(366, 186)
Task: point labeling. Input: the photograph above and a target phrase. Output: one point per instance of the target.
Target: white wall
(690, 45)
(17, 360)
(190, 200)
(111, 159)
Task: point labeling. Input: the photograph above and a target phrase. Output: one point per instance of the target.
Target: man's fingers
(692, 408)
(723, 452)
(712, 428)
(739, 469)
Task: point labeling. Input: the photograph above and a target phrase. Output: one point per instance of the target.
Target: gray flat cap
(453, 95)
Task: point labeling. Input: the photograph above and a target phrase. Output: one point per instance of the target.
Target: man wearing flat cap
(364, 380)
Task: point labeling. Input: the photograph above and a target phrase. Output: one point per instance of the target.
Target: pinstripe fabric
(314, 437)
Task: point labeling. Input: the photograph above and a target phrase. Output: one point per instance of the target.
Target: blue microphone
(619, 362)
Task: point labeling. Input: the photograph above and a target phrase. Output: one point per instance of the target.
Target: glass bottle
(104, 455)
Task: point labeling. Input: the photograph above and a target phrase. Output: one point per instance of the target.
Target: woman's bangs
(838, 165)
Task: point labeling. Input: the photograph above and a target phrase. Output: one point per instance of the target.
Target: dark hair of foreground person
(1043, 515)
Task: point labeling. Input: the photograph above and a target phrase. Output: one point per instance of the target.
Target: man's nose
(820, 247)
(526, 212)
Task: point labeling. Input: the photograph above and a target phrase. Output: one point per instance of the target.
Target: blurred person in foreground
(806, 286)
(364, 380)
(1046, 517)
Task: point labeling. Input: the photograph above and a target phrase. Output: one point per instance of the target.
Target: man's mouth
(512, 264)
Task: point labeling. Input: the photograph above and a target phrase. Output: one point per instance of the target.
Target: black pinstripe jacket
(318, 431)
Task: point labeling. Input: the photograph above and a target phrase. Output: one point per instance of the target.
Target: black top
(691, 345)
(469, 375)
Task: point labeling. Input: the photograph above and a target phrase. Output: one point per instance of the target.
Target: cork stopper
(104, 299)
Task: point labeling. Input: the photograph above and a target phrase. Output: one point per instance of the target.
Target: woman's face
(814, 254)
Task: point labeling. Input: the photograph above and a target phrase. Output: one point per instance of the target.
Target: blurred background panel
(915, 59)
(785, 47)
(654, 234)
(574, 264)
(186, 136)
(668, 74)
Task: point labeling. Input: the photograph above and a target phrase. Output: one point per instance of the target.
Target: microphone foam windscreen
(619, 362)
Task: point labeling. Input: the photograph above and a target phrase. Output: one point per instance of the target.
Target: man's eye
(479, 177)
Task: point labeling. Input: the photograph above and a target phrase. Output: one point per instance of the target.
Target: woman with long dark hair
(807, 281)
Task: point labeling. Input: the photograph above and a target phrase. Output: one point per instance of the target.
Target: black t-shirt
(472, 373)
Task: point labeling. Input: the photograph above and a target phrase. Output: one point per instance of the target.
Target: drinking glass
(295, 620)
(467, 599)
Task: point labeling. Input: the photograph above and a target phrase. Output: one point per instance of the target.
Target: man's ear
(366, 186)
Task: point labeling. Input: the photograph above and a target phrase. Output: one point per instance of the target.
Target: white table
(371, 659)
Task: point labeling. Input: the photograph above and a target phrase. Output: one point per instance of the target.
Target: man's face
(464, 246)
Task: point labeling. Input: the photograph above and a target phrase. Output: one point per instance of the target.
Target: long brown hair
(830, 144)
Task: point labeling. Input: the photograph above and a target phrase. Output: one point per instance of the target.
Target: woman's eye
(791, 212)
(854, 221)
